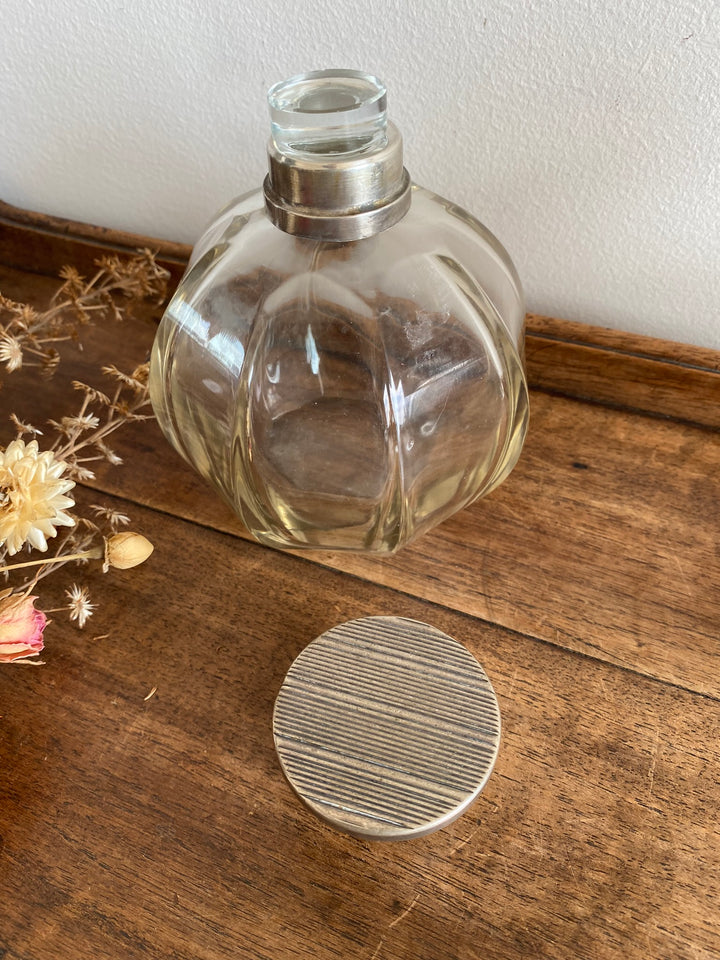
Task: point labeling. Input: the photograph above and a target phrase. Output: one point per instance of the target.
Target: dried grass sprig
(35, 484)
(28, 335)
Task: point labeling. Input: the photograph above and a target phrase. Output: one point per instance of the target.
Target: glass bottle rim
(311, 95)
(328, 111)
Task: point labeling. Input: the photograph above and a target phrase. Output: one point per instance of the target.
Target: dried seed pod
(125, 550)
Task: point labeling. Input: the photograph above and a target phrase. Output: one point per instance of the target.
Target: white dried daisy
(86, 421)
(10, 352)
(32, 496)
(79, 604)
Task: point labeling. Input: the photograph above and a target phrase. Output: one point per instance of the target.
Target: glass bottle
(343, 359)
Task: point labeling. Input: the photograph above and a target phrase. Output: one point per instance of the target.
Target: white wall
(586, 135)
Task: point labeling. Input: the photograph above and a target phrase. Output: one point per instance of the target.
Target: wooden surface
(587, 586)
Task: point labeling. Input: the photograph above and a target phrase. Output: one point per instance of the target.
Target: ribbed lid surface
(387, 728)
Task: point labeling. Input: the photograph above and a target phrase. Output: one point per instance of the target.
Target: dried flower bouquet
(37, 480)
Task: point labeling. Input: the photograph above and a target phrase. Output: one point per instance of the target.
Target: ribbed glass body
(344, 394)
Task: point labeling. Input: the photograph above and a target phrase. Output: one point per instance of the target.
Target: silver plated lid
(386, 728)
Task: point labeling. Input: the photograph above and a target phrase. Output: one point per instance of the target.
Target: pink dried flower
(21, 627)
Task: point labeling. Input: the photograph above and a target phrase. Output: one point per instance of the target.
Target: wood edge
(105, 237)
(550, 329)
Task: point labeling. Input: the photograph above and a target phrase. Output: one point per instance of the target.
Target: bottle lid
(336, 168)
(386, 728)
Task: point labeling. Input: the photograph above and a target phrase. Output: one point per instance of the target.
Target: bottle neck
(336, 164)
(340, 196)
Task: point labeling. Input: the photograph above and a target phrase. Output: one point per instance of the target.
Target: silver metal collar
(339, 196)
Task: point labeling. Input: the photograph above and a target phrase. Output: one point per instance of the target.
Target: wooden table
(588, 587)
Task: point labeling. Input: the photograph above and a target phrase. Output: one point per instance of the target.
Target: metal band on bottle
(338, 197)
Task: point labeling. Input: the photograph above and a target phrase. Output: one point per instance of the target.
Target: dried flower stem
(120, 412)
(34, 482)
(79, 302)
(85, 555)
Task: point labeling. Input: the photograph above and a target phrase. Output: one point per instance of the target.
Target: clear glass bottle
(343, 359)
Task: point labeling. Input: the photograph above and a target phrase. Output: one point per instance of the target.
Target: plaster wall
(585, 134)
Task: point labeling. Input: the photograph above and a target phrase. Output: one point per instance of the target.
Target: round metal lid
(386, 728)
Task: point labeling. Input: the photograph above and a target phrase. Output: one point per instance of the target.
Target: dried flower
(87, 421)
(27, 335)
(79, 604)
(87, 432)
(32, 496)
(111, 516)
(125, 550)
(91, 393)
(107, 453)
(10, 352)
(34, 484)
(23, 428)
(80, 474)
(21, 627)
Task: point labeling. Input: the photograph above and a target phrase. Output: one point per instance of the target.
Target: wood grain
(603, 540)
(618, 370)
(587, 588)
(163, 827)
